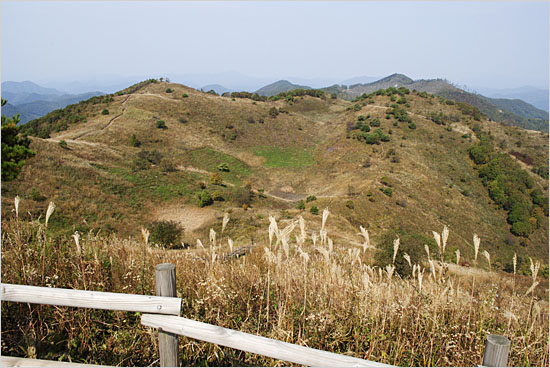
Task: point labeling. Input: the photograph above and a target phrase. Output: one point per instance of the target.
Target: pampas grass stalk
(408, 259)
(477, 241)
(444, 237)
(16, 201)
(49, 211)
(366, 243)
(324, 219)
(437, 238)
(225, 221)
(457, 252)
(427, 249)
(488, 257)
(212, 237)
(395, 249)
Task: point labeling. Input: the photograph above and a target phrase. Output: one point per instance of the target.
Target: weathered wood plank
(254, 344)
(90, 299)
(165, 275)
(6, 361)
(496, 351)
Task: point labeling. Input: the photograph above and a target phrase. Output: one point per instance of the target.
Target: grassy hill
(510, 112)
(396, 163)
(116, 168)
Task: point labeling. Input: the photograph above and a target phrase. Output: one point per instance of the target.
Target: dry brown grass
(314, 293)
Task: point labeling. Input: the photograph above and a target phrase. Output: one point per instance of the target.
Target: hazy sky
(494, 44)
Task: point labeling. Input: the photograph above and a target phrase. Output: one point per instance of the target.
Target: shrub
(375, 122)
(387, 191)
(273, 112)
(301, 205)
(161, 124)
(167, 166)
(134, 142)
(223, 167)
(105, 112)
(349, 204)
(184, 95)
(314, 210)
(183, 120)
(63, 144)
(169, 90)
(205, 199)
(216, 179)
(412, 125)
(153, 157)
(310, 198)
(218, 196)
(36, 196)
(166, 233)
(333, 96)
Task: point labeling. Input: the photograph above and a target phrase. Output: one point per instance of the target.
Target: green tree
(15, 148)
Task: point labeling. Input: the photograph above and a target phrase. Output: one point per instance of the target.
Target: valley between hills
(277, 153)
(391, 164)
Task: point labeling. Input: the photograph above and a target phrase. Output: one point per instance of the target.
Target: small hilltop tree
(15, 148)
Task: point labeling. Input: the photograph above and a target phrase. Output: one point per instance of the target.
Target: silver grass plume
(225, 221)
(230, 242)
(476, 246)
(212, 237)
(76, 237)
(457, 252)
(302, 238)
(427, 249)
(199, 244)
(432, 268)
(444, 237)
(273, 229)
(314, 238)
(389, 271)
(534, 269)
(49, 211)
(488, 257)
(365, 233)
(408, 259)
(145, 236)
(420, 276)
(437, 238)
(515, 262)
(324, 219)
(16, 200)
(395, 249)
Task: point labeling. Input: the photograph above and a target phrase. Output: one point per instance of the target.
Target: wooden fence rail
(162, 313)
(91, 299)
(252, 343)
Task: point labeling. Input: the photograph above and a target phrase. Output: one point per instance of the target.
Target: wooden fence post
(496, 351)
(168, 342)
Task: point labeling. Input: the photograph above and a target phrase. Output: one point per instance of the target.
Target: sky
(498, 44)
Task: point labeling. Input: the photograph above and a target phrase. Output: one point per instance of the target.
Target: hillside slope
(507, 111)
(397, 163)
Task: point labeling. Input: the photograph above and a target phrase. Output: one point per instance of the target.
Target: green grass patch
(277, 157)
(208, 159)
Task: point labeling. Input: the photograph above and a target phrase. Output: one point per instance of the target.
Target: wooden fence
(162, 312)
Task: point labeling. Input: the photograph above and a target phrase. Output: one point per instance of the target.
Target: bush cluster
(510, 187)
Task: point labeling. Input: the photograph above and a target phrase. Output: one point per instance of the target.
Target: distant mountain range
(32, 101)
(512, 112)
(524, 107)
(535, 96)
(278, 87)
